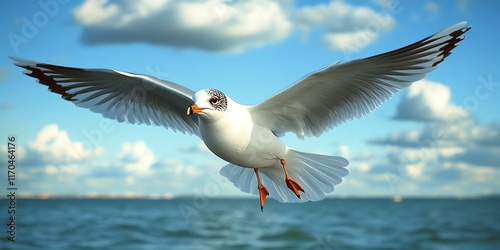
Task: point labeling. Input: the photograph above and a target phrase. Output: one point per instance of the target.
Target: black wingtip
(457, 37)
(38, 71)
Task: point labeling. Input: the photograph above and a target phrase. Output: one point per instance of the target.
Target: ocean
(195, 223)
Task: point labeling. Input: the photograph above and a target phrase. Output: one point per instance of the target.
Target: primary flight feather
(248, 136)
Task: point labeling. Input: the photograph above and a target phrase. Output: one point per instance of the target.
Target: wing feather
(122, 96)
(342, 92)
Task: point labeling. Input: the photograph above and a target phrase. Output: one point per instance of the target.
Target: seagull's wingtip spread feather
(114, 94)
(353, 89)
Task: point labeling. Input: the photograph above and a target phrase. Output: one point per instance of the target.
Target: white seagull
(248, 136)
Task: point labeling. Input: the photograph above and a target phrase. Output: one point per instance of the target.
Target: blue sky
(440, 137)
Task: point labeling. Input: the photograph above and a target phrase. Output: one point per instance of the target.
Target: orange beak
(194, 109)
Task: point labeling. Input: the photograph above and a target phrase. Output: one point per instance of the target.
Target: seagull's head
(208, 103)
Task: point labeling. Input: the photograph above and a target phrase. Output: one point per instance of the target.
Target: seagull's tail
(317, 174)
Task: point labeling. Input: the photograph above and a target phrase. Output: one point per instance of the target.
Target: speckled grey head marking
(217, 99)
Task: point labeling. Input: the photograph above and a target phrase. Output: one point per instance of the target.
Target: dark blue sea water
(239, 224)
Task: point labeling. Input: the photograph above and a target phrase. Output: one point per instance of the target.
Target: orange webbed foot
(294, 186)
(291, 183)
(263, 193)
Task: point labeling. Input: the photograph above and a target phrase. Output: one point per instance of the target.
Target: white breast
(236, 139)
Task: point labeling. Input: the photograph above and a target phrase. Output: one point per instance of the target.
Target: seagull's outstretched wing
(122, 96)
(342, 92)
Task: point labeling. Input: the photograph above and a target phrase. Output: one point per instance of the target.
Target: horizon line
(139, 196)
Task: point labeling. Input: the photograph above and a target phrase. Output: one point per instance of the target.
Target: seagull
(248, 137)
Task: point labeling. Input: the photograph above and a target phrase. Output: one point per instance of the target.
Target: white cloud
(442, 154)
(362, 165)
(53, 163)
(53, 146)
(179, 169)
(228, 26)
(349, 41)
(50, 169)
(99, 11)
(136, 158)
(344, 151)
(455, 151)
(415, 171)
(426, 100)
(208, 25)
(453, 135)
(476, 156)
(348, 27)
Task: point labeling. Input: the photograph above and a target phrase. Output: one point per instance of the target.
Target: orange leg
(263, 193)
(291, 183)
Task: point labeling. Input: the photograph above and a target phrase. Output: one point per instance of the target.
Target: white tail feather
(317, 174)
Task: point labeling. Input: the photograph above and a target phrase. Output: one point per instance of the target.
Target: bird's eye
(214, 100)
